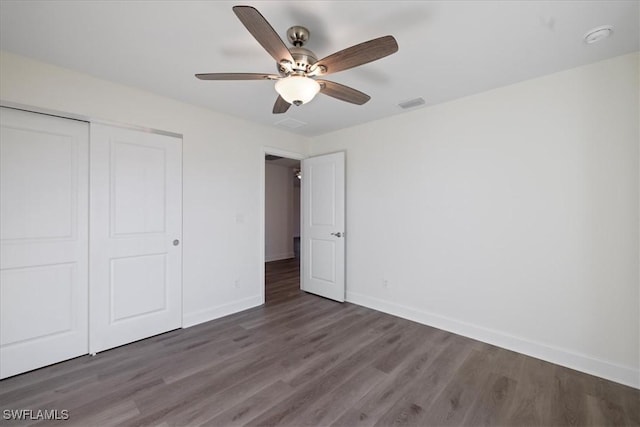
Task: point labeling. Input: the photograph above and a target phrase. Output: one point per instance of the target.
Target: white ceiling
(447, 49)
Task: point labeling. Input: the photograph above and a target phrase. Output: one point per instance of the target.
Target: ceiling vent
(412, 103)
(290, 123)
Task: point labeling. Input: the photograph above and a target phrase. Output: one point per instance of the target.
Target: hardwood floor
(301, 360)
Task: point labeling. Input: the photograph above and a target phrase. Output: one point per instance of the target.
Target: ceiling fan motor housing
(303, 58)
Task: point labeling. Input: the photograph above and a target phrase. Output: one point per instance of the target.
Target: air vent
(412, 103)
(290, 123)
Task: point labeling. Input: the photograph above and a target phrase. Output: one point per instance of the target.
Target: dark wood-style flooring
(301, 360)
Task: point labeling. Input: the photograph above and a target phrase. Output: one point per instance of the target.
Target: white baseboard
(201, 316)
(277, 257)
(621, 374)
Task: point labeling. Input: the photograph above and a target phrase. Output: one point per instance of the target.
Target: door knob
(338, 234)
(176, 242)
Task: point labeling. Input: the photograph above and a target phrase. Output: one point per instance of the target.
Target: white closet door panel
(138, 189)
(136, 215)
(43, 240)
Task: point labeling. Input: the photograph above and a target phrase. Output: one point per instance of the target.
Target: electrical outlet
(236, 283)
(385, 283)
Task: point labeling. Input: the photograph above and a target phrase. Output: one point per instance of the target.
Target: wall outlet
(385, 283)
(236, 283)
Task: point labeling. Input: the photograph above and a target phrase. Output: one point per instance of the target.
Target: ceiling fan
(298, 68)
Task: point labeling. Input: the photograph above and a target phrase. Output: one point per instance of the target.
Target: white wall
(510, 216)
(222, 162)
(279, 212)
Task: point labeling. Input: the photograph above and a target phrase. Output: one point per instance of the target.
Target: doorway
(322, 223)
(282, 185)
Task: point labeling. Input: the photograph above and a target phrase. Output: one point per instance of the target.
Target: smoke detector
(594, 35)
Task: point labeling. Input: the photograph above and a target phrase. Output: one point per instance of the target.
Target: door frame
(275, 152)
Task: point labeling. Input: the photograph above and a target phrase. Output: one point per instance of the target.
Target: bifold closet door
(43, 240)
(135, 227)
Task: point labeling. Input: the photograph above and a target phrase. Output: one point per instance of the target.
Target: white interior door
(322, 234)
(135, 226)
(43, 240)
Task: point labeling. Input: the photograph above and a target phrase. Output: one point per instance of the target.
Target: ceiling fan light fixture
(297, 90)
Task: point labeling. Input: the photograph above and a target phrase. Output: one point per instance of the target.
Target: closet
(90, 237)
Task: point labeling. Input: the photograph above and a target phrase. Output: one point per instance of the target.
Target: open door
(322, 231)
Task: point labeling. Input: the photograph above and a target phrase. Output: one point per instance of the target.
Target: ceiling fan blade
(281, 106)
(263, 32)
(342, 92)
(236, 76)
(356, 55)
